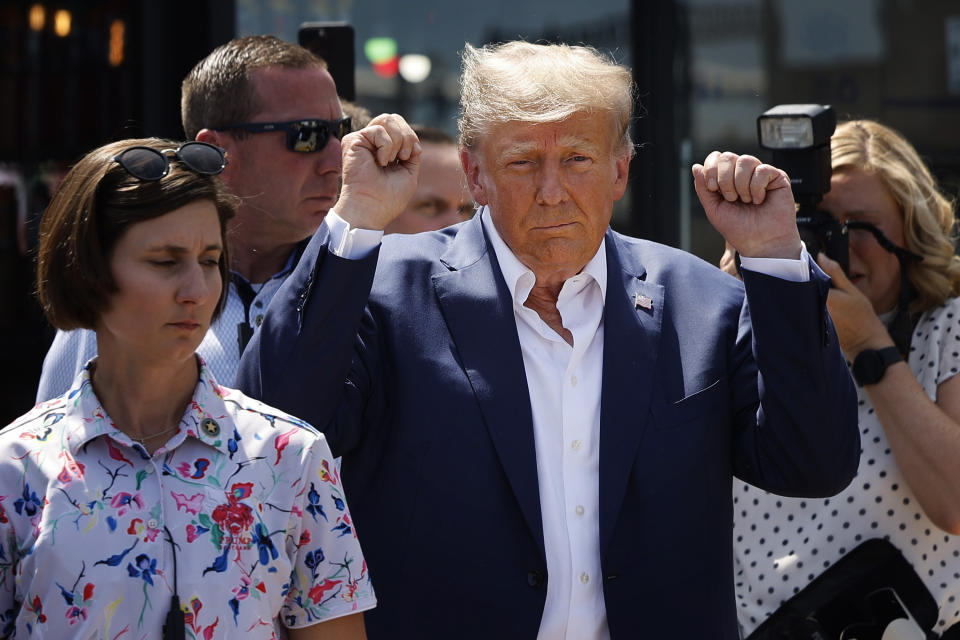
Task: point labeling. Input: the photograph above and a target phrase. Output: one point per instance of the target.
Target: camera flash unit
(796, 126)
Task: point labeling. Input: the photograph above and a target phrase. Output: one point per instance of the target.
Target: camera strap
(903, 323)
(902, 326)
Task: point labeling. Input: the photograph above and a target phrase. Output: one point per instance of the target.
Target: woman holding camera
(897, 316)
(149, 497)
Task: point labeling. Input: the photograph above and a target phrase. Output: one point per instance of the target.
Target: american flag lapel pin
(642, 302)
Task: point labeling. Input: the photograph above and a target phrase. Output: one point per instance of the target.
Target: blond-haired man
(540, 418)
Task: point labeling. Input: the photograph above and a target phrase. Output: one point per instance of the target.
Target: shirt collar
(206, 418)
(520, 278)
(288, 266)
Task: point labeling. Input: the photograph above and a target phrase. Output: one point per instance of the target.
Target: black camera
(799, 137)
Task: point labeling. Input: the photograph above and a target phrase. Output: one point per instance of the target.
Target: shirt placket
(264, 296)
(549, 355)
(579, 473)
(151, 540)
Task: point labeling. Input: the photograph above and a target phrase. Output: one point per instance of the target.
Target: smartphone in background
(334, 42)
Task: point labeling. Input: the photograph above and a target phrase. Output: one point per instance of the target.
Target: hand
(728, 261)
(381, 165)
(858, 327)
(750, 204)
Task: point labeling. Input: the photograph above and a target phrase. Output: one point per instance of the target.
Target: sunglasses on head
(303, 136)
(146, 163)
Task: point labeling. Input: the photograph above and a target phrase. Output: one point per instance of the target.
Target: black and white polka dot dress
(781, 544)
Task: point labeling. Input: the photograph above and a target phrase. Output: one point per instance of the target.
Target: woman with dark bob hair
(148, 501)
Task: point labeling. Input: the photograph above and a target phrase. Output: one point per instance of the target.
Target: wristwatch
(870, 364)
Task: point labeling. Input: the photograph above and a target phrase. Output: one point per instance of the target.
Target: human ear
(473, 171)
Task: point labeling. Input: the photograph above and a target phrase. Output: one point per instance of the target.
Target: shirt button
(575, 445)
(210, 427)
(579, 509)
(573, 381)
(584, 578)
(153, 524)
(259, 320)
(535, 579)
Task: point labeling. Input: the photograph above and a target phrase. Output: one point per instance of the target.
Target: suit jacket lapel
(630, 348)
(478, 310)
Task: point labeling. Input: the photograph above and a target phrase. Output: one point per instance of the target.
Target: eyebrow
(570, 142)
(575, 142)
(520, 148)
(860, 212)
(178, 249)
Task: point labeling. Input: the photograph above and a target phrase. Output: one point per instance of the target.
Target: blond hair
(538, 83)
(929, 225)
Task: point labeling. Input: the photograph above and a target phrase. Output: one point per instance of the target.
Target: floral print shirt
(248, 498)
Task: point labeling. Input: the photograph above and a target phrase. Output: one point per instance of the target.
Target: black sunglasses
(303, 136)
(150, 164)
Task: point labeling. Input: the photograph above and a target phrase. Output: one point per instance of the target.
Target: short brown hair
(359, 116)
(95, 204)
(218, 91)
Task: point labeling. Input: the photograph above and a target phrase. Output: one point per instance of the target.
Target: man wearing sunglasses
(273, 108)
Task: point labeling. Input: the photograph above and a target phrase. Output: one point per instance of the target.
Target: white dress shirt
(564, 383)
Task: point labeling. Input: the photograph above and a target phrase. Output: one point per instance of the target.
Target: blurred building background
(75, 74)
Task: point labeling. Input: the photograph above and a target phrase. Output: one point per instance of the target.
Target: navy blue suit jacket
(421, 388)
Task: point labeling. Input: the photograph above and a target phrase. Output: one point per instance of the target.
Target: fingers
(745, 179)
(708, 197)
(390, 139)
(380, 169)
(832, 268)
(734, 174)
(728, 261)
(829, 266)
(740, 177)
